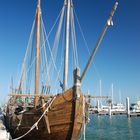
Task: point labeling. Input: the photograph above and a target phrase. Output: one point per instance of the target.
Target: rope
(51, 56)
(55, 22)
(62, 61)
(22, 80)
(24, 61)
(56, 43)
(86, 44)
(74, 39)
(36, 124)
(45, 67)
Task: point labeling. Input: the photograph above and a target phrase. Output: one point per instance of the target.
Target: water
(114, 128)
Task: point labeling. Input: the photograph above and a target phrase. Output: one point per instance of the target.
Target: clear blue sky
(117, 60)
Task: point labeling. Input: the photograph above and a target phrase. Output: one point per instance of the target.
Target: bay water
(117, 127)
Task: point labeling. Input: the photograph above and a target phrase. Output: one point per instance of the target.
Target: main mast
(38, 18)
(66, 57)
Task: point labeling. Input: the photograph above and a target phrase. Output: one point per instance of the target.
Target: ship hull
(63, 121)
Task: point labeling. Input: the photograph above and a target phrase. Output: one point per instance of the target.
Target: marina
(129, 109)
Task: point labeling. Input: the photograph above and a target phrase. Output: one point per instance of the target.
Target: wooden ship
(46, 116)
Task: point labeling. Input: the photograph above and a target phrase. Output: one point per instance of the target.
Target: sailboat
(46, 116)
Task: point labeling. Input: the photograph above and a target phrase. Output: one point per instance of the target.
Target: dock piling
(128, 106)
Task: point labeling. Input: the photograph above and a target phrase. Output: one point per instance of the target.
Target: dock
(112, 113)
(134, 114)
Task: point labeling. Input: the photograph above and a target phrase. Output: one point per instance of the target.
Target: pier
(113, 109)
(134, 114)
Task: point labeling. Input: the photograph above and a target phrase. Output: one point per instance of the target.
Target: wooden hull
(64, 119)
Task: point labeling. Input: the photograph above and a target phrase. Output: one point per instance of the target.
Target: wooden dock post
(109, 111)
(98, 107)
(77, 82)
(128, 107)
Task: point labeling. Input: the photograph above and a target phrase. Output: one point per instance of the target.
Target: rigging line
(30, 48)
(81, 31)
(30, 71)
(86, 44)
(75, 38)
(45, 67)
(30, 66)
(51, 52)
(24, 61)
(55, 22)
(25, 64)
(73, 50)
(41, 63)
(42, 54)
(57, 39)
(75, 43)
(62, 59)
(28, 62)
(45, 55)
(41, 47)
(74, 34)
(32, 63)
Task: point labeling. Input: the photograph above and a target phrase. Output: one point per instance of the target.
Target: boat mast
(38, 18)
(112, 92)
(66, 57)
(108, 23)
(101, 92)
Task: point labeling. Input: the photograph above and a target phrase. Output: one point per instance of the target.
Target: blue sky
(117, 60)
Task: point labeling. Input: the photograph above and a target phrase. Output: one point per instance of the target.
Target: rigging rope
(74, 39)
(56, 42)
(55, 23)
(45, 67)
(61, 60)
(25, 58)
(36, 124)
(53, 61)
(86, 44)
(22, 82)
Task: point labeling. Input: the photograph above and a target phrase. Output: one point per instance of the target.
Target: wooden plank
(31, 95)
(97, 97)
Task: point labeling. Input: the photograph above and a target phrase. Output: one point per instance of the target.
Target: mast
(120, 100)
(108, 23)
(101, 92)
(38, 18)
(112, 92)
(66, 57)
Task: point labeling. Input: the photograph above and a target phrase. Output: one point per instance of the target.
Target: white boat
(135, 107)
(118, 108)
